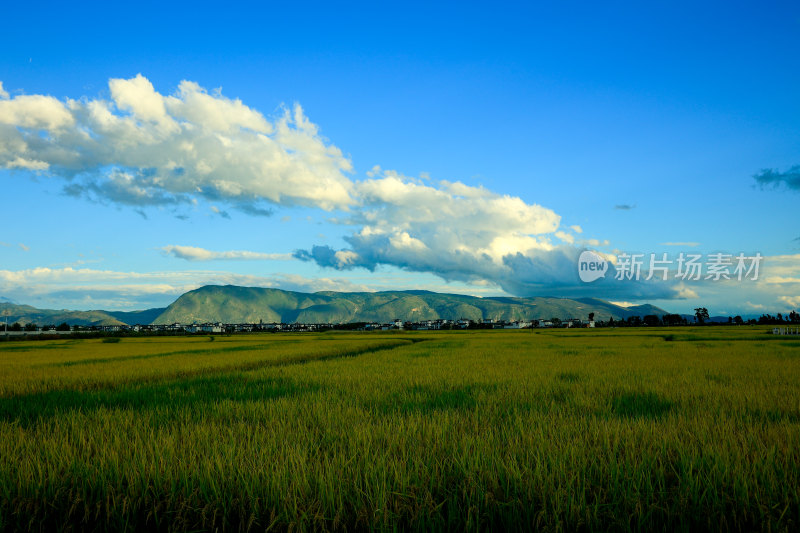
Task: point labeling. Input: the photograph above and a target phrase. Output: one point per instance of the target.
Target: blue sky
(454, 147)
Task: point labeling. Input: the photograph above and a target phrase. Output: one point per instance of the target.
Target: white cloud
(34, 112)
(781, 279)
(345, 258)
(71, 288)
(3, 93)
(295, 282)
(464, 233)
(138, 96)
(687, 293)
(411, 223)
(785, 266)
(23, 247)
(219, 114)
(145, 148)
(623, 304)
(415, 216)
(193, 253)
(27, 164)
(792, 301)
(566, 237)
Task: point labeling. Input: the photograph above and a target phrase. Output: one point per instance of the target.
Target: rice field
(608, 429)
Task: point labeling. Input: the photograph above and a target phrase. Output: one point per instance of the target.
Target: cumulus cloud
(773, 177)
(3, 93)
(467, 234)
(193, 253)
(411, 223)
(144, 148)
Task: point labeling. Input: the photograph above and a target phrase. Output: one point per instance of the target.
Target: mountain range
(232, 305)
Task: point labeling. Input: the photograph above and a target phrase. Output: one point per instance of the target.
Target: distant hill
(233, 304)
(25, 314)
(633, 310)
(137, 317)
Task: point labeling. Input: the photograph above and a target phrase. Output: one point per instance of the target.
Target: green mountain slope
(25, 314)
(232, 304)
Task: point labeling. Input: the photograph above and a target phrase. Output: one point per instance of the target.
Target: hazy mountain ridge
(234, 304)
(25, 314)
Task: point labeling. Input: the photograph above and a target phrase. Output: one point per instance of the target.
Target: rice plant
(561, 430)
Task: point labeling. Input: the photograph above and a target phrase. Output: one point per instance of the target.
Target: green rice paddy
(557, 430)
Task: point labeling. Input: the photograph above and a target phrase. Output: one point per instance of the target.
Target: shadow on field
(198, 351)
(176, 395)
(434, 348)
(429, 398)
(35, 346)
(568, 377)
(639, 405)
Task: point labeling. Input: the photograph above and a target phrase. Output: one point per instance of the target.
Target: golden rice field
(613, 429)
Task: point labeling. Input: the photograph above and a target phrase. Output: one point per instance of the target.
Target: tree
(63, 327)
(15, 327)
(701, 315)
(738, 320)
(591, 317)
(651, 320)
(556, 322)
(30, 326)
